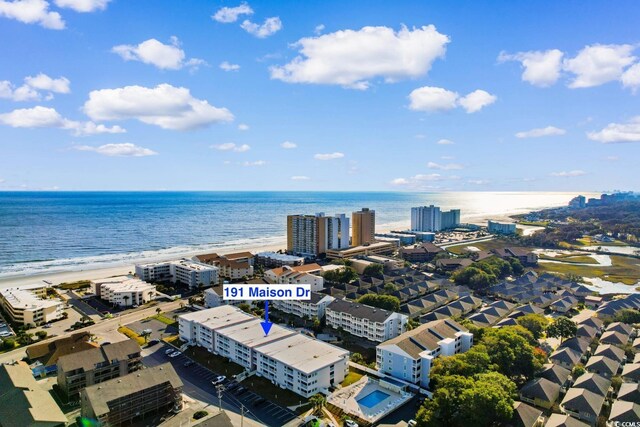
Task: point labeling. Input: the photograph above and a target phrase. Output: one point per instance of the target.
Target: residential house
(540, 392)
(602, 365)
(594, 383)
(582, 404)
(561, 420)
(526, 416)
(629, 392)
(631, 372)
(624, 413)
(555, 373)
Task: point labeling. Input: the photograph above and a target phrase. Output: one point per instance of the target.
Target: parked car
(350, 423)
(169, 351)
(188, 363)
(412, 423)
(240, 391)
(259, 401)
(218, 380)
(153, 342)
(175, 354)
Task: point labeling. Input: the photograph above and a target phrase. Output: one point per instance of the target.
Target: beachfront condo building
(29, 305)
(275, 259)
(312, 235)
(363, 223)
(431, 218)
(285, 357)
(374, 324)
(124, 291)
(496, 227)
(409, 357)
(120, 401)
(191, 273)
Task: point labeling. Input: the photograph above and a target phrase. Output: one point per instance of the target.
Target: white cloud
(269, 27)
(300, 178)
(598, 64)
(631, 77)
(612, 158)
(448, 166)
(329, 156)
(1, 181)
(288, 145)
(541, 68)
(477, 100)
(540, 132)
(351, 58)
(227, 15)
(165, 106)
(243, 126)
(83, 5)
(318, 29)
(400, 181)
(433, 99)
(29, 90)
(227, 66)
(569, 174)
(118, 150)
(43, 117)
(32, 12)
(422, 181)
(254, 163)
(479, 181)
(230, 146)
(44, 82)
(158, 54)
(445, 142)
(618, 132)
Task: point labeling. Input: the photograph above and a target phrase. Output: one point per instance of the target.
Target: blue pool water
(373, 398)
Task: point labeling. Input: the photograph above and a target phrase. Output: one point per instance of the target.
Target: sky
(319, 95)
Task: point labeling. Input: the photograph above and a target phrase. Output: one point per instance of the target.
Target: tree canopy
(342, 275)
(373, 270)
(534, 323)
(562, 327)
(386, 302)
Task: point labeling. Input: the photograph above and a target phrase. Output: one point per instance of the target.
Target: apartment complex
(274, 259)
(374, 324)
(232, 266)
(377, 248)
(410, 356)
(291, 360)
(501, 227)
(23, 402)
(125, 400)
(28, 305)
(300, 275)
(431, 218)
(363, 224)
(124, 291)
(79, 370)
(315, 307)
(191, 273)
(425, 252)
(312, 235)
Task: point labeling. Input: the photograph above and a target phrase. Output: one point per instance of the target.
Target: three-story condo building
(374, 324)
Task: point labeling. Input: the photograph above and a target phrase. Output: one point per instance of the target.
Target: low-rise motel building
(287, 358)
(28, 304)
(372, 323)
(124, 291)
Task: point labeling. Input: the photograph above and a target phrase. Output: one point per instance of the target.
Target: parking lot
(262, 410)
(159, 330)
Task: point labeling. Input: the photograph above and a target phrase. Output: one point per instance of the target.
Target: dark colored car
(188, 363)
(259, 401)
(154, 342)
(240, 391)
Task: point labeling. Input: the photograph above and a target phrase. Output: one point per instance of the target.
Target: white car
(350, 423)
(175, 354)
(169, 351)
(219, 380)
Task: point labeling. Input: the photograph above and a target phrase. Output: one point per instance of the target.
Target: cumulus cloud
(318, 29)
(227, 66)
(254, 163)
(269, 27)
(158, 54)
(399, 181)
(165, 106)
(618, 132)
(230, 146)
(541, 68)
(540, 132)
(243, 126)
(300, 178)
(631, 77)
(228, 15)
(288, 145)
(479, 181)
(329, 156)
(598, 64)
(422, 181)
(32, 12)
(445, 142)
(569, 174)
(29, 91)
(447, 166)
(351, 58)
(434, 99)
(118, 150)
(43, 117)
(83, 6)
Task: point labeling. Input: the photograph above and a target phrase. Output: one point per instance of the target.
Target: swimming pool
(373, 398)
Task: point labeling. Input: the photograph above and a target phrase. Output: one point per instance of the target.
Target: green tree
(516, 266)
(158, 311)
(145, 335)
(317, 402)
(373, 270)
(562, 327)
(627, 315)
(245, 307)
(534, 323)
(577, 371)
(41, 334)
(8, 344)
(511, 353)
(475, 361)
(385, 302)
(357, 358)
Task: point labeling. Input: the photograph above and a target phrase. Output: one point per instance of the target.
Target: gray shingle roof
(594, 383)
(542, 389)
(358, 310)
(583, 401)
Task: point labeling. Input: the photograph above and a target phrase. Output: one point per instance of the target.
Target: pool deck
(348, 398)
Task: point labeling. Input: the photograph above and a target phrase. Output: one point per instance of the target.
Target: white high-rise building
(312, 235)
(426, 218)
(338, 232)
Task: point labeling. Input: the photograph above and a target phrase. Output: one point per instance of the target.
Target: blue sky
(410, 96)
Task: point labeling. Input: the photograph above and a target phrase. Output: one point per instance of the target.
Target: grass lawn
(534, 223)
(570, 258)
(351, 378)
(588, 241)
(164, 319)
(215, 363)
(269, 391)
(80, 284)
(624, 269)
(131, 334)
(486, 245)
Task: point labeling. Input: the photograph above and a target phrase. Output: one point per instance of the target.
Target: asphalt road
(197, 384)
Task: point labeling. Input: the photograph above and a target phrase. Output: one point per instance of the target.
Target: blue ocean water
(60, 231)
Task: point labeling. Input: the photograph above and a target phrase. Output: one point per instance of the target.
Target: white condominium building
(124, 291)
(431, 218)
(315, 307)
(274, 259)
(374, 324)
(300, 275)
(291, 360)
(27, 305)
(185, 271)
(410, 356)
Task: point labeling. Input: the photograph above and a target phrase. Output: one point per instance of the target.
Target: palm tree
(126, 299)
(158, 311)
(318, 401)
(145, 335)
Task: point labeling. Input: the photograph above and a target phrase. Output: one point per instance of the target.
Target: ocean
(67, 231)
